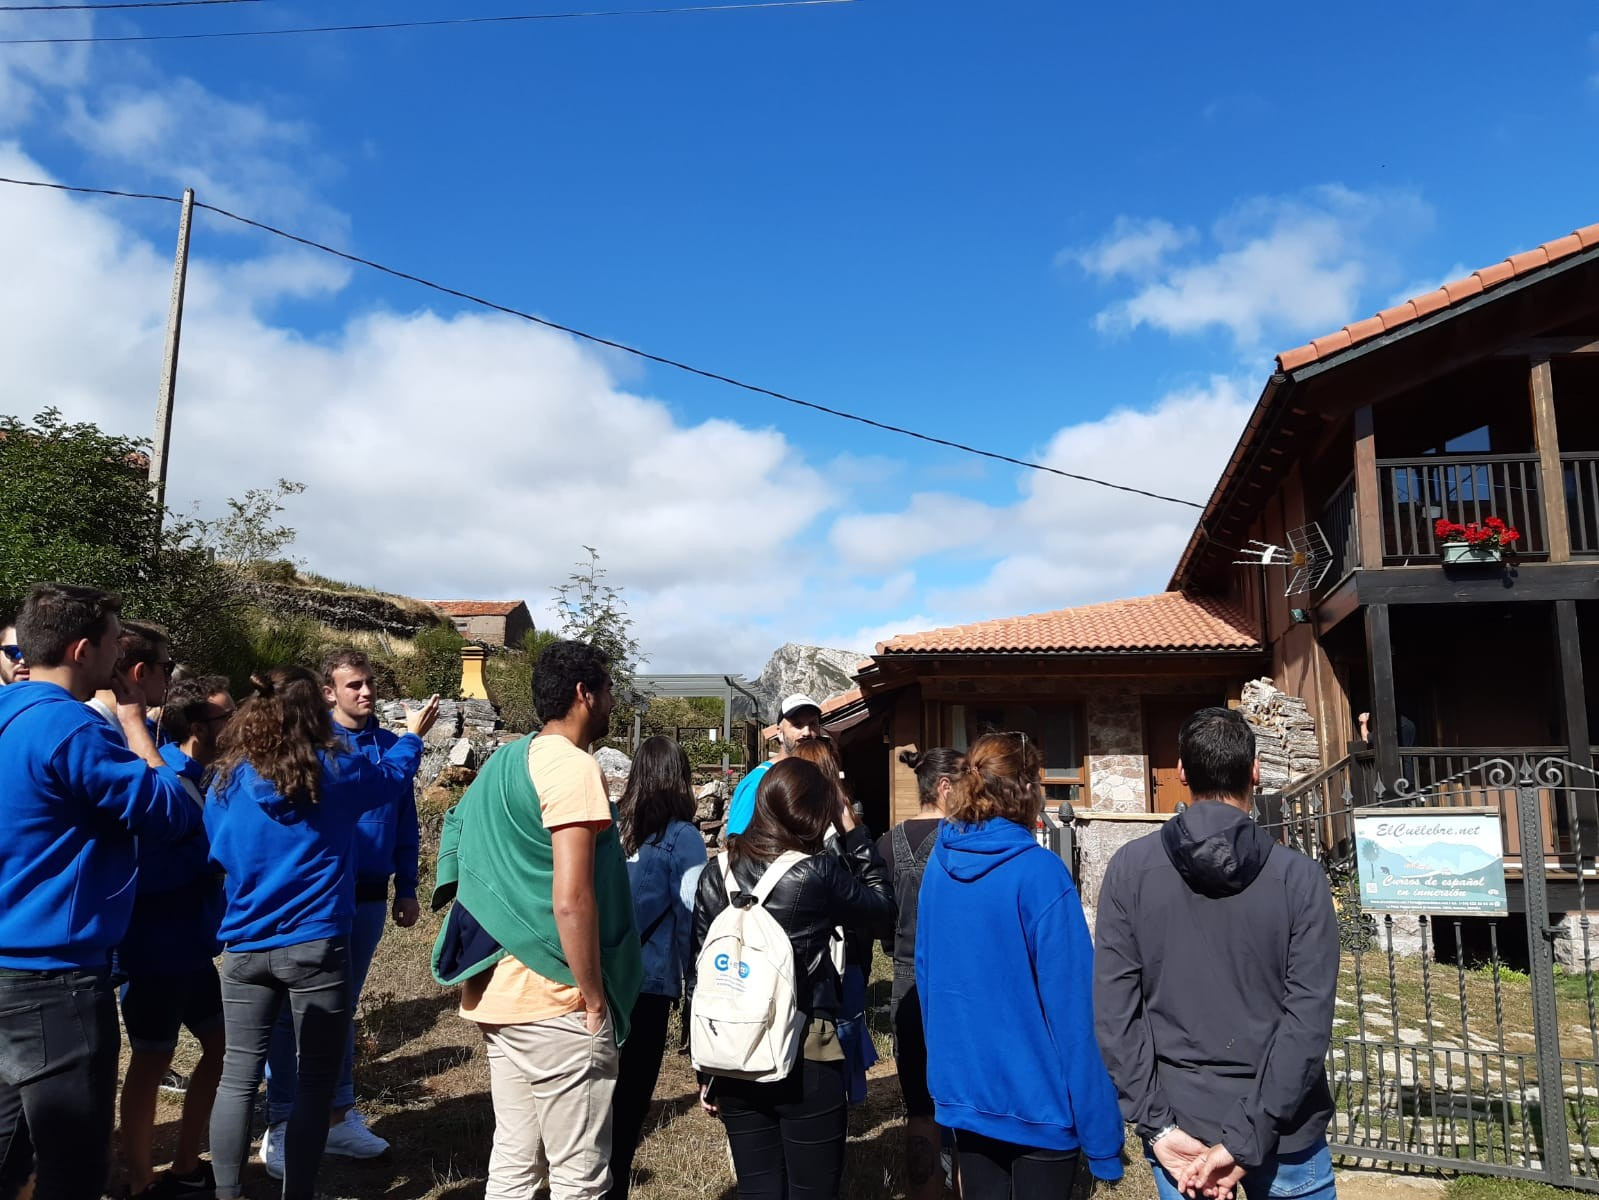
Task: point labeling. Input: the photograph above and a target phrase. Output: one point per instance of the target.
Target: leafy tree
(591, 610)
(76, 507)
(433, 666)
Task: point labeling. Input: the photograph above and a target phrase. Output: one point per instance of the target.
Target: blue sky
(1076, 235)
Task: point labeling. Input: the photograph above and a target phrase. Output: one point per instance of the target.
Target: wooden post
(1384, 708)
(162, 442)
(1368, 490)
(1574, 695)
(1552, 486)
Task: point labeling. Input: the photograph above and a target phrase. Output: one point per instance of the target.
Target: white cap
(796, 701)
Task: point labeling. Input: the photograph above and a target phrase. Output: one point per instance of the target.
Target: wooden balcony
(1580, 474)
(1414, 493)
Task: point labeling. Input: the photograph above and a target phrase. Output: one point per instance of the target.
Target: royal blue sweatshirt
(387, 839)
(78, 803)
(1004, 970)
(290, 867)
(179, 903)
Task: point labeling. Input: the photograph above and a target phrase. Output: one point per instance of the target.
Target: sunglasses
(14, 653)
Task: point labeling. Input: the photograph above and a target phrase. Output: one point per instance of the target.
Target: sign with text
(1442, 861)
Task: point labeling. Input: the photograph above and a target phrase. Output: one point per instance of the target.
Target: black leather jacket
(852, 889)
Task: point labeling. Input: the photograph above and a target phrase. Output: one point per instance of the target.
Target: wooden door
(1163, 721)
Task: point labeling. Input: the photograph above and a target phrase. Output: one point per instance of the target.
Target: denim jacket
(665, 873)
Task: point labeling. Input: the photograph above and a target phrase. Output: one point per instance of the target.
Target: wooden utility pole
(169, 361)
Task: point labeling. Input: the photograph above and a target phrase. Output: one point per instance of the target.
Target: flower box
(1463, 553)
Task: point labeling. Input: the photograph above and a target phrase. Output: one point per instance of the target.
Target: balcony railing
(1581, 479)
(1341, 527)
(1416, 492)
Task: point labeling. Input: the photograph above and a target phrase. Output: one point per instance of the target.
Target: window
(1057, 728)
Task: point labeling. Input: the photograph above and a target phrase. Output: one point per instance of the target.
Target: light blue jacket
(664, 873)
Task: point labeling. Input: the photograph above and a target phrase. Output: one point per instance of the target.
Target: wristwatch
(1162, 1132)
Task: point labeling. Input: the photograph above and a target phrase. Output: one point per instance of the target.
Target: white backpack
(745, 1022)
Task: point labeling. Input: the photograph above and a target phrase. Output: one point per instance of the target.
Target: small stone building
(492, 622)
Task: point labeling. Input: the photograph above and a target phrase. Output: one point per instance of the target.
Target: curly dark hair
(560, 668)
(278, 731)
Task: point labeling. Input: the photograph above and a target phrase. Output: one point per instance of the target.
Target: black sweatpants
(59, 1041)
(996, 1170)
(788, 1137)
(636, 1074)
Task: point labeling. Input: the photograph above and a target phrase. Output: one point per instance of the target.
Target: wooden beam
(1574, 710)
(1384, 707)
(1368, 491)
(1552, 481)
(1578, 580)
(1551, 347)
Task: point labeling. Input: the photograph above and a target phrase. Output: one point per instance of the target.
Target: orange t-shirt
(571, 792)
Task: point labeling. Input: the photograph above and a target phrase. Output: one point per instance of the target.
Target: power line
(596, 339)
(118, 4)
(90, 39)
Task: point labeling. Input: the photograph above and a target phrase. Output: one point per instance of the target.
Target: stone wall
(1118, 775)
(1098, 838)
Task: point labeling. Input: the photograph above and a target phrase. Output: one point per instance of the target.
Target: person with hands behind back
(787, 1135)
(1215, 968)
(281, 814)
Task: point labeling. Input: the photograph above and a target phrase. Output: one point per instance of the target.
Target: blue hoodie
(290, 868)
(1004, 969)
(386, 837)
(76, 798)
(179, 902)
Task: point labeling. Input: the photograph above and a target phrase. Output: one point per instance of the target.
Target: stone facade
(1099, 839)
(1118, 772)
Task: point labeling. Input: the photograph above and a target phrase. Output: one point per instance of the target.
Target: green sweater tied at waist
(496, 860)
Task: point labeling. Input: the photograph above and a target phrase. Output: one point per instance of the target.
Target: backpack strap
(769, 879)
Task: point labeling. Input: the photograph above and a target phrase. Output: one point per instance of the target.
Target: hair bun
(262, 684)
(911, 758)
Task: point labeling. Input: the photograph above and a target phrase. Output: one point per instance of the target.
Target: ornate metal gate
(1455, 1043)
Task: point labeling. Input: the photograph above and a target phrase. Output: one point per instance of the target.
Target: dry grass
(422, 1081)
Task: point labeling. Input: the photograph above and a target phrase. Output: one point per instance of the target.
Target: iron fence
(1461, 1042)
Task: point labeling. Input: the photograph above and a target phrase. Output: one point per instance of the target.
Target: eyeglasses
(14, 653)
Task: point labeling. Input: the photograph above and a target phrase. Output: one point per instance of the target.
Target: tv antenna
(1307, 558)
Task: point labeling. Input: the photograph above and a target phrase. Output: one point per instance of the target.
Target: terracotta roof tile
(1441, 298)
(476, 608)
(1168, 622)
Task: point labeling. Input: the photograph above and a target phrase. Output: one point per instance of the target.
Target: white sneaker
(272, 1149)
(352, 1139)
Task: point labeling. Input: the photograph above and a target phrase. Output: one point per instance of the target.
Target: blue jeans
(1304, 1175)
(365, 933)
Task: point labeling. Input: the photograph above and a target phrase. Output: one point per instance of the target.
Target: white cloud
(1426, 284)
(28, 71)
(1132, 247)
(1063, 543)
(1277, 266)
(466, 455)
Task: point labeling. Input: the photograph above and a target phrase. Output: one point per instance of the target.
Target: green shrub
(433, 666)
(510, 682)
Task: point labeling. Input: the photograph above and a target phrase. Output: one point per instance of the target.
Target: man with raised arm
(1215, 967)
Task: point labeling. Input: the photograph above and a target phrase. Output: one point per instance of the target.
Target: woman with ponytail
(1004, 972)
(281, 818)
(906, 849)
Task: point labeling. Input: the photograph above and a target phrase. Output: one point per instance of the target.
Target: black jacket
(851, 889)
(1215, 968)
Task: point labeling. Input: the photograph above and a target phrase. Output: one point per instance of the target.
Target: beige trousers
(551, 1082)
